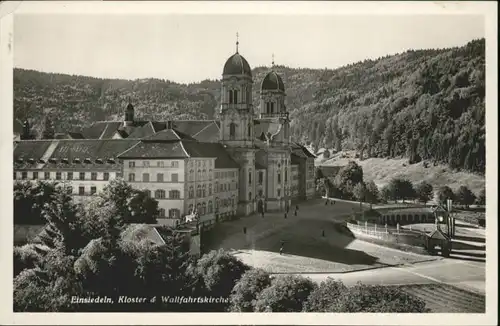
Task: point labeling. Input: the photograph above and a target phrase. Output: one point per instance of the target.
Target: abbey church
(241, 164)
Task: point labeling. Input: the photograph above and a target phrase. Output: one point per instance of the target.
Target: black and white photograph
(250, 157)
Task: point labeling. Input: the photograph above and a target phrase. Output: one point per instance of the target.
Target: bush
(25, 257)
(247, 288)
(321, 299)
(285, 294)
(379, 299)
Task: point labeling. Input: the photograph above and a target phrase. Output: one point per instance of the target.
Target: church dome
(272, 82)
(237, 65)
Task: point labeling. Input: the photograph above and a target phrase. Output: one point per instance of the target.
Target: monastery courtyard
(306, 248)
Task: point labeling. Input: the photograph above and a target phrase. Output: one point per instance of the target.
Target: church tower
(237, 125)
(274, 113)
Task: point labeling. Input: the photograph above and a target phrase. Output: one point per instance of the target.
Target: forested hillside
(424, 105)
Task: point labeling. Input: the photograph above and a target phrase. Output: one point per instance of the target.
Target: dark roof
(209, 134)
(329, 171)
(70, 153)
(223, 159)
(237, 65)
(168, 135)
(301, 151)
(272, 82)
(156, 150)
(191, 127)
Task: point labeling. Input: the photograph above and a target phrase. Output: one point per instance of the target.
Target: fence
(387, 234)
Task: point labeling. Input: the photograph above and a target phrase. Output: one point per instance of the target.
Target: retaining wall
(388, 235)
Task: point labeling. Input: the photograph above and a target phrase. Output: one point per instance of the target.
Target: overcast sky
(187, 48)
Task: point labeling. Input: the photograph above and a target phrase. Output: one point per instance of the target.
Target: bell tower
(236, 110)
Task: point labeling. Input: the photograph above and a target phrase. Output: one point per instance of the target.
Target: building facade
(241, 164)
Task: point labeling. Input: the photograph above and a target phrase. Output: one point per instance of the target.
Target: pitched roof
(191, 127)
(208, 134)
(71, 153)
(223, 159)
(168, 135)
(158, 150)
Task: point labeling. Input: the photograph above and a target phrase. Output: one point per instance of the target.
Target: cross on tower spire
(237, 42)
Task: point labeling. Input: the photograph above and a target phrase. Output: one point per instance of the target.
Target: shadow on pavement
(467, 238)
(466, 246)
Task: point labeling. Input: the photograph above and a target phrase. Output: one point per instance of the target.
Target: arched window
(190, 209)
(249, 130)
(250, 195)
(198, 176)
(210, 189)
(174, 194)
(198, 191)
(261, 177)
(147, 193)
(230, 96)
(174, 213)
(191, 192)
(286, 176)
(210, 172)
(191, 174)
(279, 177)
(216, 187)
(216, 203)
(250, 177)
(268, 107)
(161, 211)
(198, 208)
(232, 130)
(235, 96)
(204, 174)
(160, 194)
(204, 209)
(204, 191)
(210, 207)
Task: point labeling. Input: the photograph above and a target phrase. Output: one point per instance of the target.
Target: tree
(48, 128)
(445, 193)
(26, 257)
(348, 177)
(401, 189)
(379, 299)
(372, 193)
(285, 294)
(425, 192)
(134, 205)
(465, 196)
(318, 174)
(481, 197)
(218, 271)
(359, 191)
(326, 294)
(29, 200)
(246, 290)
(324, 186)
(386, 193)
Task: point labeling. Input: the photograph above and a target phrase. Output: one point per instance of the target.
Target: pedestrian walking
(295, 213)
(323, 233)
(326, 202)
(282, 246)
(285, 215)
(262, 214)
(297, 207)
(244, 230)
(281, 250)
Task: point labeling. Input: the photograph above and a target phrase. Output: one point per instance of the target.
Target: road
(309, 253)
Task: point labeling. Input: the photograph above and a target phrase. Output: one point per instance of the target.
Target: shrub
(285, 294)
(245, 291)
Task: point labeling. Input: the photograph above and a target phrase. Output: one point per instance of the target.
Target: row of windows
(201, 190)
(174, 177)
(159, 164)
(63, 176)
(226, 174)
(199, 163)
(232, 130)
(201, 175)
(172, 213)
(161, 194)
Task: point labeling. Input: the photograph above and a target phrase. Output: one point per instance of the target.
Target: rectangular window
(145, 177)
(15, 175)
(58, 176)
(279, 192)
(106, 176)
(81, 190)
(93, 176)
(70, 175)
(175, 177)
(159, 177)
(82, 175)
(93, 190)
(279, 178)
(24, 175)
(131, 164)
(145, 164)
(160, 164)
(175, 164)
(250, 177)
(131, 177)
(46, 175)
(35, 175)
(261, 177)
